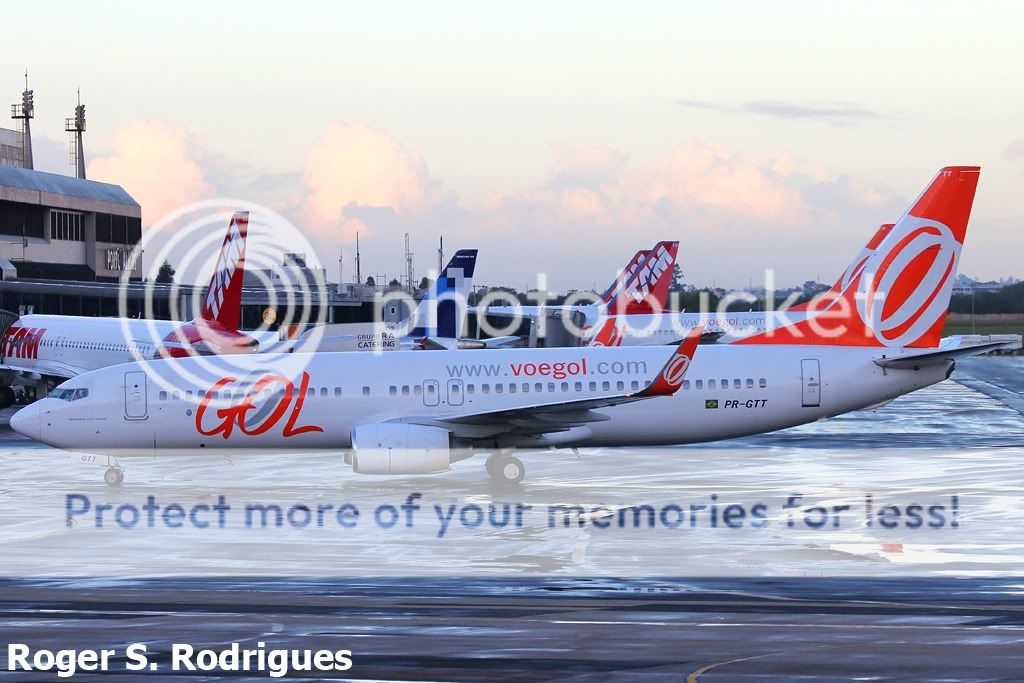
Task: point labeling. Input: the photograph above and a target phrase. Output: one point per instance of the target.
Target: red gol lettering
(235, 415)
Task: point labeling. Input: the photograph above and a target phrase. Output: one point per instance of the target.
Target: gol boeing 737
(407, 412)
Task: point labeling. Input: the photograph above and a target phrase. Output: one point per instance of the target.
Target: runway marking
(740, 624)
(694, 676)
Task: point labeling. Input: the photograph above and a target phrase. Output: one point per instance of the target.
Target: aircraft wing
(18, 372)
(560, 416)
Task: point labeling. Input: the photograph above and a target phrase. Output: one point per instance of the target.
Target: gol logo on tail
(232, 416)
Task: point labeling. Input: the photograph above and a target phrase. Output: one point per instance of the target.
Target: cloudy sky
(557, 137)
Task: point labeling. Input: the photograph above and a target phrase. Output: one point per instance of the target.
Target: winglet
(608, 334)
(671, 376)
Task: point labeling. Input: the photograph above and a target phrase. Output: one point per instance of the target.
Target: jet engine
(397, 448)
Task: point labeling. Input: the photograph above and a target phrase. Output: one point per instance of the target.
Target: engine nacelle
(396, 448)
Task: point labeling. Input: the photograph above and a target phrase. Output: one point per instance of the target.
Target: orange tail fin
(900, 296)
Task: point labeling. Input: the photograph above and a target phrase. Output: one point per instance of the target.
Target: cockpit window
(70, 394)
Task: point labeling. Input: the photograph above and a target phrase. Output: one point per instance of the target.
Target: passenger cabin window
(762, 382)
(366, 391)
(750, 383)
(699, 384)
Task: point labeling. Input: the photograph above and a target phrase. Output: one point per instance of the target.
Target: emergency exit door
(135, 400)
(810, 376)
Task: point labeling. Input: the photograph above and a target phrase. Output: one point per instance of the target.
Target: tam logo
(651, 272)
(280, 402)
(22, 342)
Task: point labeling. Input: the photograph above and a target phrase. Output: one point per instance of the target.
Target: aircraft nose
(27, 422)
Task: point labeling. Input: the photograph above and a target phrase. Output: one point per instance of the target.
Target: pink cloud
(353, 165)
(158, 163)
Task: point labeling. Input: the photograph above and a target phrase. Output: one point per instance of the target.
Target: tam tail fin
(223, 301)
(624, 276)
(646, 291)
(901, 295)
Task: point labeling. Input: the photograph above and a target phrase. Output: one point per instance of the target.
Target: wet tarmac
(569, 601)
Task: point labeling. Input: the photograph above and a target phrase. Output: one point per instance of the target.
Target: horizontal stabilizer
(953, 348)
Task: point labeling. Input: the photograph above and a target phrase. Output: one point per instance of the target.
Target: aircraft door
(135, 399)
(455, 392)
(430, 392)
(810, 379)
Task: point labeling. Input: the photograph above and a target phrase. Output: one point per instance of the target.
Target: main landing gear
(7, 397)
(505, 468)
(114, 476)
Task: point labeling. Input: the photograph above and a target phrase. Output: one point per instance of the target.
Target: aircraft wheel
(492, 464)
(113, 476)
(510, 470)
(7, 397)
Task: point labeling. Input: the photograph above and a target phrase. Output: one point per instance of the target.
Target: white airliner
(406, 412)
(37, 349)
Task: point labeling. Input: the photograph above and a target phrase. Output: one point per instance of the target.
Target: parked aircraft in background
(642, 329)
(435, 323)
(39, 349)
(642, 287)
(410, 413)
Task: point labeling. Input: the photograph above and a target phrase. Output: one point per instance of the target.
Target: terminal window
(66, 225)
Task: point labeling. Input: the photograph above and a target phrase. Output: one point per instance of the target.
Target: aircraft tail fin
(442, 311)
(624, 276)
(646, 290)
(223, 301)
(851, 271)
(900, 296)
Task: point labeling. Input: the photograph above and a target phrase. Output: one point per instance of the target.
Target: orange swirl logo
(676, 370)
(904, 291)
